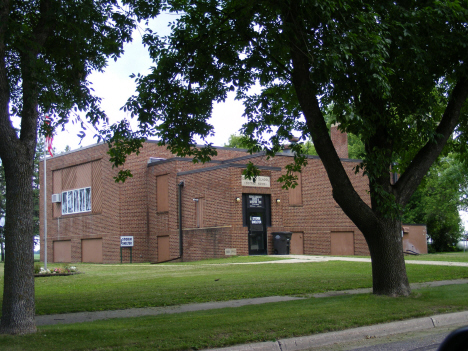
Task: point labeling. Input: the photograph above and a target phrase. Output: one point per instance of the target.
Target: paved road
(426, 340)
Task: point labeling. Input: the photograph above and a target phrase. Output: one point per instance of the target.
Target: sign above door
(260, 181)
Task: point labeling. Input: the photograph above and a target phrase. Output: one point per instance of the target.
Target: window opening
(76, 201)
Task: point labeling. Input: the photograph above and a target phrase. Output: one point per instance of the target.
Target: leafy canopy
(438, 200)
(51, 47)
(385, 66)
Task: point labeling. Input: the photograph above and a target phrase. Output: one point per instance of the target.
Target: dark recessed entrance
(257, 217)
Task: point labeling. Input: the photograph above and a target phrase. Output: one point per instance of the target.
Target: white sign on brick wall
(230, 252)
(126, 241)
(260, 181)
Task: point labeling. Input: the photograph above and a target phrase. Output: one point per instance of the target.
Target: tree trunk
(388, 263)
(18, 309)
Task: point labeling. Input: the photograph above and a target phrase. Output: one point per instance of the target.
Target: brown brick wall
(130, 208)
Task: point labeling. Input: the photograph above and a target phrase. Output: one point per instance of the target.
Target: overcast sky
(115, 86)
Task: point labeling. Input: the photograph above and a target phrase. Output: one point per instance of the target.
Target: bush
(37, 268)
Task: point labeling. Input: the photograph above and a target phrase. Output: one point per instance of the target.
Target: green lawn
(108, 287)
(218, 328)
(442, 256)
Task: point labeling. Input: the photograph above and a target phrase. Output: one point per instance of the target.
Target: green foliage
(37, 268)
(308, 148)
(437, 203)
(355, 57)
(237, 141)
(63, 45)
(356, 148)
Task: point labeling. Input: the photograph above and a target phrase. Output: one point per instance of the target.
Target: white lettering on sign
(255, 201)
(260, 181)
(126, 241)
(255, 220)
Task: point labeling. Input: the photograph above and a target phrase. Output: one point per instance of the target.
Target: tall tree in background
(238, 141)
(438, 200)
(48, 48)
(386, 66)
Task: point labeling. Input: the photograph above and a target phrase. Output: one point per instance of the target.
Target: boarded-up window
(76, 177)
(162, 193)
(91, 250)
(96, 186)
(295, 194)
(199, 211)
(62, 251)
(342, 243)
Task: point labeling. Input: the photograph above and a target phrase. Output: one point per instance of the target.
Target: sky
(115, 86)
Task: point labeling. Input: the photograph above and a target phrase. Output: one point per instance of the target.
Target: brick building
(173, 207)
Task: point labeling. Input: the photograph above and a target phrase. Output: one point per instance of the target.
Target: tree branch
(423, 160)
(343, 191)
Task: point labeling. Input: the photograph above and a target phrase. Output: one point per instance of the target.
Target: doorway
(256, 211)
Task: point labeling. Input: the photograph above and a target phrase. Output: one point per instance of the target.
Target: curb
(307, 342)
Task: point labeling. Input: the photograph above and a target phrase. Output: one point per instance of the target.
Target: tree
(2, 212)
(48, 48)
(437, 202)
(37, 157)
(242, 142)
(237, 141)
(386, 66)
(36, 188)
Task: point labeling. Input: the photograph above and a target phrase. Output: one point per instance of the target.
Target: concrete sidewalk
(287, 259)
(298, 343)
(291, 344)
(311, 258)
(355, 334)
(81, 317)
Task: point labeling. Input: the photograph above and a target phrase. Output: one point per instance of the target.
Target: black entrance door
(256, 217)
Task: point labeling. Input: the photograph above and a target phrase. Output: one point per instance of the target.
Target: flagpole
(45, 208)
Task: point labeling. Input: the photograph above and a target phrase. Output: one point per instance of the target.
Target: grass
(459, 256)
(441, 256)
(109, 287)
(218, 328)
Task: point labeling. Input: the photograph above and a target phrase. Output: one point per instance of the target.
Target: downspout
(181, 237)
